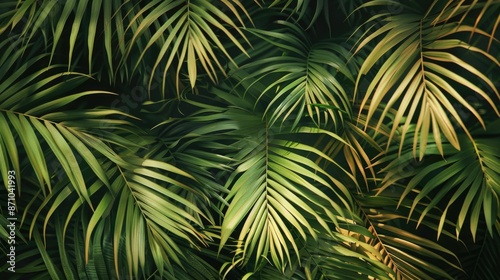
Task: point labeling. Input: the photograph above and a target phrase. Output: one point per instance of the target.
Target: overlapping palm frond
(187, 32)
(257, 175)
(51, 158)
(276, 190)
(302, 9)
(331, 256)
(149, 212)
(100, 22)
(415, 75)
(30, 120)
(203, 129)
(298, 76)
(480, 10)
(342, 255)
(192, 140)
(481, 256)
(268, 196)
(380, 243)
(409, 253)
(469, 178)
(87, 160)
(358, 149)
(123, 33)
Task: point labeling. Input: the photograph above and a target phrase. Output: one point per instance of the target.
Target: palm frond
(188, 34)
(27, 119)
(410, 253)
(249, 161)
(358, 151)
(100, 21)
(342, 256)
(143, 190)
(298, 77)
(276, 190)
(466, 11)
(480, 257)
(302, 9)
(469, 177)
(416, 78)
(155, 214)
(83, 150)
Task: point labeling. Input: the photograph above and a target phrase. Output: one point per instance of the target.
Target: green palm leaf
(23, 115)
(357, 150)
(298, 76)
(481, 256)
(489, 9)
(256, 175)
(470, 176)
(302, 9)
(406, 251)
(50, 20)
(342, 256)
(75, 147)
(188, 35)
(415, 78)
(276, 192)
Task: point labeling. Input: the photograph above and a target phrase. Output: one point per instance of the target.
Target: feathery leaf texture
(284, 139)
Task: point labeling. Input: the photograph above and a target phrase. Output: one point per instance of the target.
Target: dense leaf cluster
(285, 139)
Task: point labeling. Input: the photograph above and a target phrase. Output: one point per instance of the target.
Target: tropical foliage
(190, 139)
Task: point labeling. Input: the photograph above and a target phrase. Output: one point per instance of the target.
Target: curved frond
(342, 256)
(480, 10)
(276, 193)
(246, 159)
(100, 22)
(28, 115)
(187, 32)
(358, 151)
(302, 9)
(299, 77)
(421, 74)
(482, 256)
(86, 160)
(410, 253)
(468, 177)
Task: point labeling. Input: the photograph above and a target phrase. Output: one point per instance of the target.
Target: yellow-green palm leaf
(189, 34)
(418, 75)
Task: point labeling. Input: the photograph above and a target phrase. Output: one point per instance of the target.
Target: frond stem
(367, 220)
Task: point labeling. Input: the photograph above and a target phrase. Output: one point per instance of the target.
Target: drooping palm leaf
(155, 215)
(488, 9)
(106, 192)
(25, 110)
(158, 217)
(469, 177)
(415, 77)
(189, 33)
(100, 22)
(410, 254)
(82, 152)
(274, 188)
(303, 9)
(342, 256)
(298, 76)
(358, 150)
